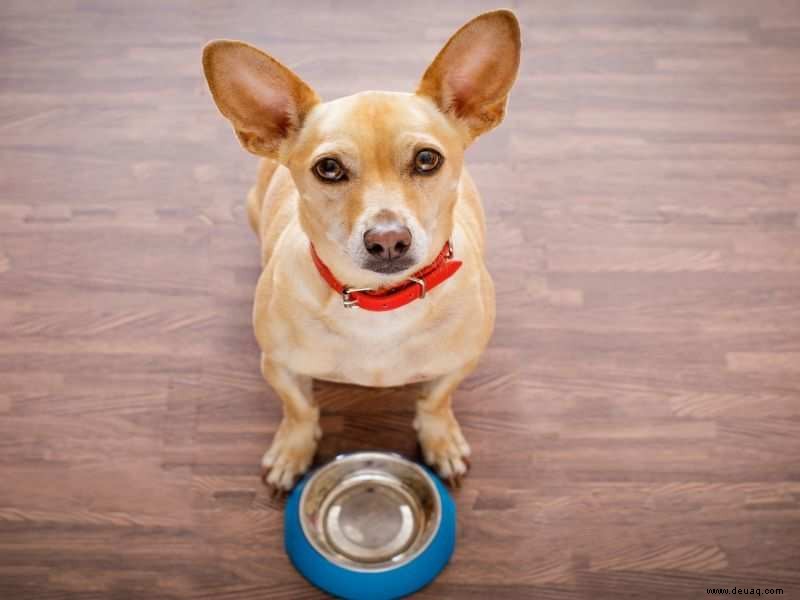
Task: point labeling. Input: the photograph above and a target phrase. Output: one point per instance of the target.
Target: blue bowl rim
(395, 582)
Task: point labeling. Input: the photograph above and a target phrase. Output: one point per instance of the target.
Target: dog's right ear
(264, 100)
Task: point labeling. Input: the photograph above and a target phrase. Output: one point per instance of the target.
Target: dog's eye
(329, 170)
(427, 161)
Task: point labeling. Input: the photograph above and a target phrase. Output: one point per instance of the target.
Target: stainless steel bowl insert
(370, 511)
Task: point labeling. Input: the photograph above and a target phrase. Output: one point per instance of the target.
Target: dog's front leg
(295, 441)
(443, 444)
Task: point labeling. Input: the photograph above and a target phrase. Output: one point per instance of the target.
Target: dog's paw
(443, 445)
(290, 455)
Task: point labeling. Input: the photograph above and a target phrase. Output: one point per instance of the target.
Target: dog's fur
(302, 328)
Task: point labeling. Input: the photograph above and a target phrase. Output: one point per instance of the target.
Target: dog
(371, 232)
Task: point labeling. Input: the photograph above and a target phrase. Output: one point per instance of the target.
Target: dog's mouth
(388, 266)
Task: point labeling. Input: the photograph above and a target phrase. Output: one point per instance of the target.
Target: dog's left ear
(470, 78)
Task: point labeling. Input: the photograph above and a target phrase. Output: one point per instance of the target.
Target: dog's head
(377, 172)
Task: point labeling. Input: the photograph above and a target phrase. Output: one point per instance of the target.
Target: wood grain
(636, 419)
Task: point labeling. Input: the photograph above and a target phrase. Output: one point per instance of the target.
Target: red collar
(409, 290)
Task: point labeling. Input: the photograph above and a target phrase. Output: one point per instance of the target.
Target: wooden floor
(636, 419)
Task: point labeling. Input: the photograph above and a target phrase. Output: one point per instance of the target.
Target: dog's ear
(470, 78)
(263, 99)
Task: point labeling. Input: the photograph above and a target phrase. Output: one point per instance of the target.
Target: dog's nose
(387, 241)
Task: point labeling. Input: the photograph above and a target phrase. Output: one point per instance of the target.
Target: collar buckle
(347, 300)
(421, 283)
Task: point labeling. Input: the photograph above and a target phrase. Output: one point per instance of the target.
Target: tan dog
(376, 182)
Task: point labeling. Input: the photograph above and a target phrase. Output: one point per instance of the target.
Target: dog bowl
(370, 526)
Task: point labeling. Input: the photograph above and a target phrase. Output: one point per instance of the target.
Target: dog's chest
(377, 348)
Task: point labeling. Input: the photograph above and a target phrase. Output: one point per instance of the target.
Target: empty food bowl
(370, 526)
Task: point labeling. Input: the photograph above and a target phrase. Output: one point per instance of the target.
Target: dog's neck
(344, 270)
(382, 299)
